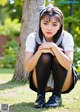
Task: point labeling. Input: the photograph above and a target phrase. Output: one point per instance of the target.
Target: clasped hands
(48, 47)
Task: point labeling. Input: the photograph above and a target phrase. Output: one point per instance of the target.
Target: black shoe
(54, 101)
(40, 102)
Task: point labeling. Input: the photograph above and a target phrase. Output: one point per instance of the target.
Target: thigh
(67, 84)
(34, 78)
(68, 81)
(35, 81)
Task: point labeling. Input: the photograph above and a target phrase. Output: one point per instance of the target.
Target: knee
(55, 61)
(46, 58)
(58, 66)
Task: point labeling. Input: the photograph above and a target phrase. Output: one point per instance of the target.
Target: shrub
(10, 55)
(11, 28)
(77, 56)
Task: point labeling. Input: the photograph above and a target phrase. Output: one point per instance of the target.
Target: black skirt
(75, 79)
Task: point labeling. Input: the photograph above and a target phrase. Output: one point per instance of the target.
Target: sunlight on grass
(21, 99)
(6, 71)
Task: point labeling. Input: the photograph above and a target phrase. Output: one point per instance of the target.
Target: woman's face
(49, 27)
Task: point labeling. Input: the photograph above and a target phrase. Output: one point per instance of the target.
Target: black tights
(45, 65)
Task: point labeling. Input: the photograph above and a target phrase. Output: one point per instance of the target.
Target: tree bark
(29, 24)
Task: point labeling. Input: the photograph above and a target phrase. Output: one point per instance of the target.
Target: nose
(49, 27)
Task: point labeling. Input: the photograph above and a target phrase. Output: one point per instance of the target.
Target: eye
(45, 23)
(54, 24)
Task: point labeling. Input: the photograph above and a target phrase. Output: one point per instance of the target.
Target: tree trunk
(29, 24)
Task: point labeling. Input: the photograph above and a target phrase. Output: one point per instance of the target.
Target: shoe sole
(39, 106)
(53, 106)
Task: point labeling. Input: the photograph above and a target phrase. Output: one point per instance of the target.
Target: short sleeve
(68, 42)
(30, 43)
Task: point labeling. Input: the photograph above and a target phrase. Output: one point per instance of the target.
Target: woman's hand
(46, 50)
(61, 49)
(46, 45)
(49, 45)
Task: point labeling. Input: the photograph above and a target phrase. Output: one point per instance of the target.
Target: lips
(48, 33)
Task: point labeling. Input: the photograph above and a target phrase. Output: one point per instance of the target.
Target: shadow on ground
(28, 107)
(11, 84)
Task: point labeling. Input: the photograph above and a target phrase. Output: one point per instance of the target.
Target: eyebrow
(49, 21)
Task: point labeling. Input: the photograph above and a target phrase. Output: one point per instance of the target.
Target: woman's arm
(64, 59)
(31, 60)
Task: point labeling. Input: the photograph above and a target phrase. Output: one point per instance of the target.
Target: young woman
(49, 58)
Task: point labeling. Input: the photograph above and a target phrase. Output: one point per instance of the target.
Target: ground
(21, 99)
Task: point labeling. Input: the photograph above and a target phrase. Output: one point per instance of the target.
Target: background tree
(29, 24)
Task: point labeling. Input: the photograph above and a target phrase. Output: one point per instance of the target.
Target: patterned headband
(43, 9)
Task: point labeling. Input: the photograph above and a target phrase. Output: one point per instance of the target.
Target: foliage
(77, 59)
(77, 56)
(72, 19)
(10, 55)
(3, 2)
(10, 9)
(10, 28)
(77, 35)
(15, 8)
(6, 71)
(78, 71)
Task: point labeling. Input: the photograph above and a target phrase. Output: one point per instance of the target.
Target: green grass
(6, 71)
(21, 99)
